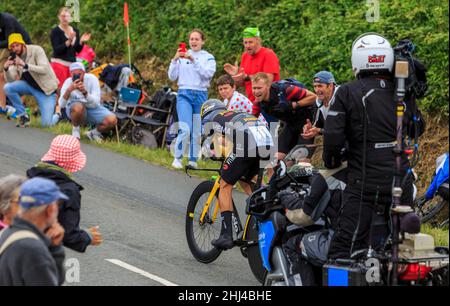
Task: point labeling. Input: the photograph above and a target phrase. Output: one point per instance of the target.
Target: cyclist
(244, 141)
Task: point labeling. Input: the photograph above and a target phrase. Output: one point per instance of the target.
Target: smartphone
(12, 55)
(76, 77)
(182, 47)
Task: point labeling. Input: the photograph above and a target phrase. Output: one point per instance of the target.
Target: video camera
(416, 81)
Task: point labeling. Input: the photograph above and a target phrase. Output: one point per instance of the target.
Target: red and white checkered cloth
(65, 151)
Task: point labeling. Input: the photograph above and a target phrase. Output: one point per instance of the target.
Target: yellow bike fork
(210, 200)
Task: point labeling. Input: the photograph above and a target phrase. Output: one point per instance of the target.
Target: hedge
(308, 36)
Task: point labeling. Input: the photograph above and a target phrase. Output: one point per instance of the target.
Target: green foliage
(306, 35)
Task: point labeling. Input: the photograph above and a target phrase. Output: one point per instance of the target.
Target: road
(140, 209)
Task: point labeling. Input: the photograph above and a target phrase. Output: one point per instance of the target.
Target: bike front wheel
(199, 234)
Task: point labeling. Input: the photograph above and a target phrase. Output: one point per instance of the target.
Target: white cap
(76, 66)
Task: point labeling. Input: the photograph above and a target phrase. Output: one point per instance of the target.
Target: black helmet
(210, 109)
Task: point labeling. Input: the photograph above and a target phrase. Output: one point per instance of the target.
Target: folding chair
(128, 99)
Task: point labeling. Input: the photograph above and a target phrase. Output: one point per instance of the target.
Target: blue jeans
(46, 103)
(189, 104)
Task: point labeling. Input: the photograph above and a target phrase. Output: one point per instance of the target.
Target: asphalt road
(140, 209)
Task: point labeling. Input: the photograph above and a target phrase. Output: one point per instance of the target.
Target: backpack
(281, 85)
(111, 74)
(283, 107)
(164, 99)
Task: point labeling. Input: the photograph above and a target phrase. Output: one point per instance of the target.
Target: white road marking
(141, 272)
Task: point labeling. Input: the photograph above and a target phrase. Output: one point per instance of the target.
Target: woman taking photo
(194, 69)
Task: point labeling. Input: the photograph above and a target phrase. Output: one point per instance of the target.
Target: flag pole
(129, 45)
(126, 21)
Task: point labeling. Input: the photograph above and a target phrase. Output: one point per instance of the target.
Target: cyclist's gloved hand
(290, 200)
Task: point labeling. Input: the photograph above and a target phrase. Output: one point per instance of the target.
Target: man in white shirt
(325, 88)
(80, 95)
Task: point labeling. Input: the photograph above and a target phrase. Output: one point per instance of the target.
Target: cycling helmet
(372, 53)
(210, 109)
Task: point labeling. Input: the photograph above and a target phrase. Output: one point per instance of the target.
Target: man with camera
(363, 120)
(28, 72)
(80, 95)
(8, 25)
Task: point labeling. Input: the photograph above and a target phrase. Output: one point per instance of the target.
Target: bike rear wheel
(200, 234)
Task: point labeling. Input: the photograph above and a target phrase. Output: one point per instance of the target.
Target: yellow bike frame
(210, 200)
(216, 207)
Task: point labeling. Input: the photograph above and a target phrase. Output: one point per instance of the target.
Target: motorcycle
(419, 261)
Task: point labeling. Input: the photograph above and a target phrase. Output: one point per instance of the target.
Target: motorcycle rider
(244, 141)
(363, 115)
(307, 253)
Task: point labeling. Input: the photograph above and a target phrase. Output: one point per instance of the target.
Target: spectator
(64, 158)
(234, 100)
(80, 95)
(8, 25)
(325, 88)
(9, 198)
(256, 58)
(30, 73)
(66, 43)
(194, 70)
(293, 109)
(31, 253)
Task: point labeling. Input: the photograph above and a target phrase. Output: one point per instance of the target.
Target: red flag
(125, 14)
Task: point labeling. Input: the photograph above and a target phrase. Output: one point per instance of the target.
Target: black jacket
(345, 127)
(60, 49)
(69, 212)
(30, 262)
(111, 74)
(9, 25)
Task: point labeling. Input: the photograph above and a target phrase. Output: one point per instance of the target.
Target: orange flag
(125, 14)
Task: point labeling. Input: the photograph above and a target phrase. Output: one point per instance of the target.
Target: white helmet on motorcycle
(373, 53)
